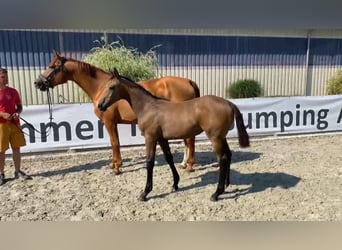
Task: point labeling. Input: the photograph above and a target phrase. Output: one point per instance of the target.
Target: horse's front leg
(116, 164)
(164, 144)
(150, 156)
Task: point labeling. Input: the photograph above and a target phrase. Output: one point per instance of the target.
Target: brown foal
(160, 120)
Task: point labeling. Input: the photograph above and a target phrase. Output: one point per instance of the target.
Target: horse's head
(53, 75)
(111, 92)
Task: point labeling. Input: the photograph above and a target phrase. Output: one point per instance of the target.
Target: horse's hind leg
(189, 154)
(228, 154)
(164, 144)
(220, 146)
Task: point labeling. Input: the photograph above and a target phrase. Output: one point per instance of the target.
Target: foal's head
(112, 91)
(119, 87)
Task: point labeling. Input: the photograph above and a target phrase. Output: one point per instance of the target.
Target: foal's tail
(196, 88)
(242, 133)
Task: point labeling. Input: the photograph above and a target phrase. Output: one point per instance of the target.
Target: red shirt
(9, 99)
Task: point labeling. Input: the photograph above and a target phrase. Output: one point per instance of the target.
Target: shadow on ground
(207, 157)
(202, 158)
(85, 167)
(257, 182)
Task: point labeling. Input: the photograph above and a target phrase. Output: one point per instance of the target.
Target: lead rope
(50, 119)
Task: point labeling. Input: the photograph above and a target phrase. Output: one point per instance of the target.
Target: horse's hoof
(142, 197)
(181, 166)
(175, 188)
(189, 170)
(111, 165)
(214, 197)
(117, 171)
(186, 167)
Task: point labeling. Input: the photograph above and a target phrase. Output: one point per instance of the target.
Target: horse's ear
(115, 72)
(56, 54)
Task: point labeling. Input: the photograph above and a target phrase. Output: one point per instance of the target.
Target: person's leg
(4, 145)
(2, 162)
(17, 165)
(17, 140)
(2, 168)
(16, 158)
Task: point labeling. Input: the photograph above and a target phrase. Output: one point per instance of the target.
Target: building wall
(286, 63)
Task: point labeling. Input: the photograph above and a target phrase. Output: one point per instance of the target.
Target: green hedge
(128, 61)
(334, 86)
(244, 89)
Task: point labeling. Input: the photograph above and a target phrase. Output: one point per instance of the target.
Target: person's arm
(19, 108)
(5, 115)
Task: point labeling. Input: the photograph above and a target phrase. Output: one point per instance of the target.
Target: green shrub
(244, 89)
(128, 61)
(334, 86)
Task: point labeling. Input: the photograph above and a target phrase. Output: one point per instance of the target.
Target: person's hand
(15, 116)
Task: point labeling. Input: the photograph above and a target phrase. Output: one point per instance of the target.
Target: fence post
(308, 72)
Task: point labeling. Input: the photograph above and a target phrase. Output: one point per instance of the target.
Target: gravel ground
(276, 179)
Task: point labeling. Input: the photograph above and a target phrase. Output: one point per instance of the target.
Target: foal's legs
(164, 144)
(224, 158)
(150, 156)
(229, 159)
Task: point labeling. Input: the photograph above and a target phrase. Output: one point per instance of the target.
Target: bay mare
(92, 80)
(161, 120)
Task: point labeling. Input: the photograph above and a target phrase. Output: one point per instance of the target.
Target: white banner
(76, 126)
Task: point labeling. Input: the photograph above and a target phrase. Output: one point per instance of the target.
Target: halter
(47, 81)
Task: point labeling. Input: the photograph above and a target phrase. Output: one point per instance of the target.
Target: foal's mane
(133, 84)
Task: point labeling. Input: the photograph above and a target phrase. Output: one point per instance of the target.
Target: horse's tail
(196, 89)
(242, 133)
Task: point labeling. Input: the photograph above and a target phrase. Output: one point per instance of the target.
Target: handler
(10, 132)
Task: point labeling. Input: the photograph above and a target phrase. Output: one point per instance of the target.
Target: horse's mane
(86, 67)
(135, 85)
